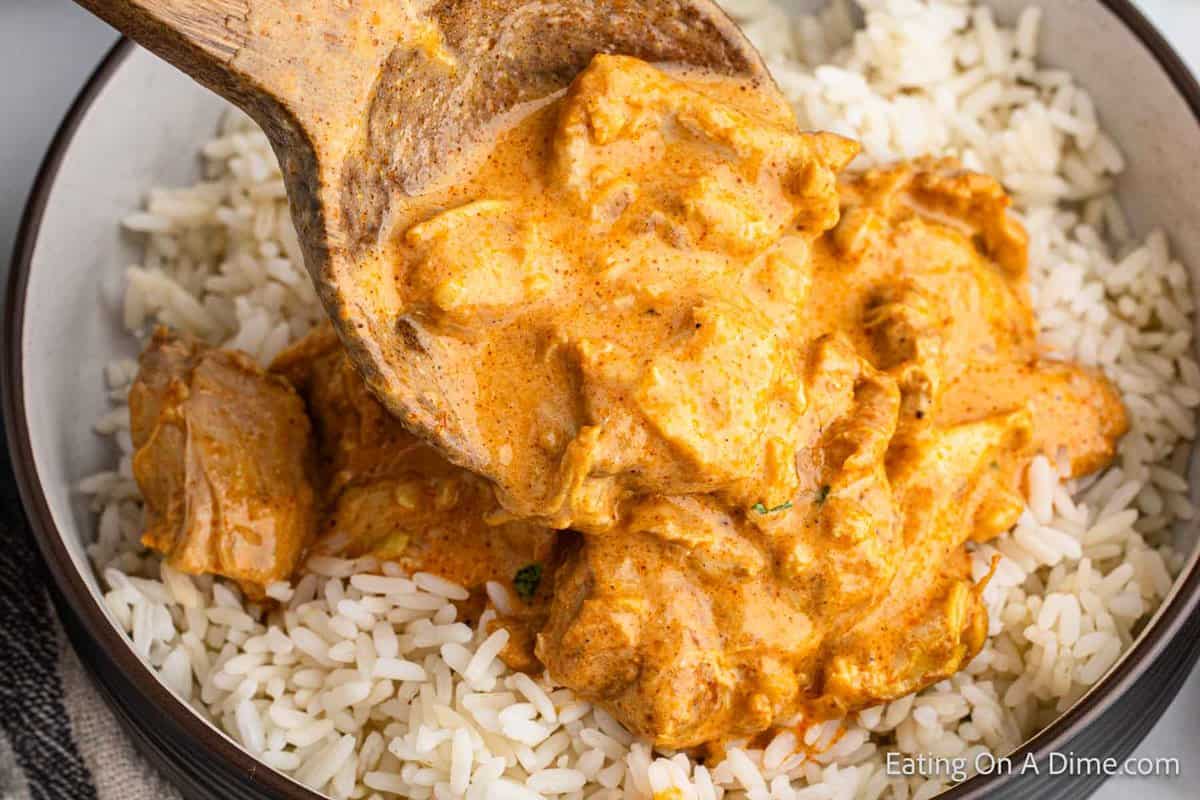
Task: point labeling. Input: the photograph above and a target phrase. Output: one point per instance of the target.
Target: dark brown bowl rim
(74, 590)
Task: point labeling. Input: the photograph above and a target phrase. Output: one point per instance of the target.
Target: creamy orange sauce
(592, 272)
(775, 407)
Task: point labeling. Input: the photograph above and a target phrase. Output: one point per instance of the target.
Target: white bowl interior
(146, 125)
(1139, 107)
(144, 128)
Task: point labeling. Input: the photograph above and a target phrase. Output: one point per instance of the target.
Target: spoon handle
(292, 66)
(201, 37)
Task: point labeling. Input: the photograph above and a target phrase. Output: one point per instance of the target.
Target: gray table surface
(47, 50)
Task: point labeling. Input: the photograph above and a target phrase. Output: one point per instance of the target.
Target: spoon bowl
(370, 101)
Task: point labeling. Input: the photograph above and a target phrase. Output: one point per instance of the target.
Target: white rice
(363, 683)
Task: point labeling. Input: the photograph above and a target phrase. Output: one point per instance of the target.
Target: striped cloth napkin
(58, 740)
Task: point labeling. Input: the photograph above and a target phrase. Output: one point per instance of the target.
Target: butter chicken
(742, 415)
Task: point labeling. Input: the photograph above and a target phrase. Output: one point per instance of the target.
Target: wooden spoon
(367, 100)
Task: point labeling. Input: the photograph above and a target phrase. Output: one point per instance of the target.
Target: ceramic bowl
(133, 119)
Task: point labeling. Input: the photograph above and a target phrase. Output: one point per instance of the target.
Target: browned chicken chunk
(225, 461)
(235, 486)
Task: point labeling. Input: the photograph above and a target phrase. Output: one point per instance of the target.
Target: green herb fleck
(527, 580)
(760, 508)
(995, 465)
(823, 494)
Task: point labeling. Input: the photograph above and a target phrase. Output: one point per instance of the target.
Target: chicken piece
(684, 641)
(389, 494)
(225, 462)
(357, 438)
(691, 623)
(912, 273)
(1078, 414)
(931, 620)
(929, 632)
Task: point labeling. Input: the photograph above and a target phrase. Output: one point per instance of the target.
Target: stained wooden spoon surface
(367, 101)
